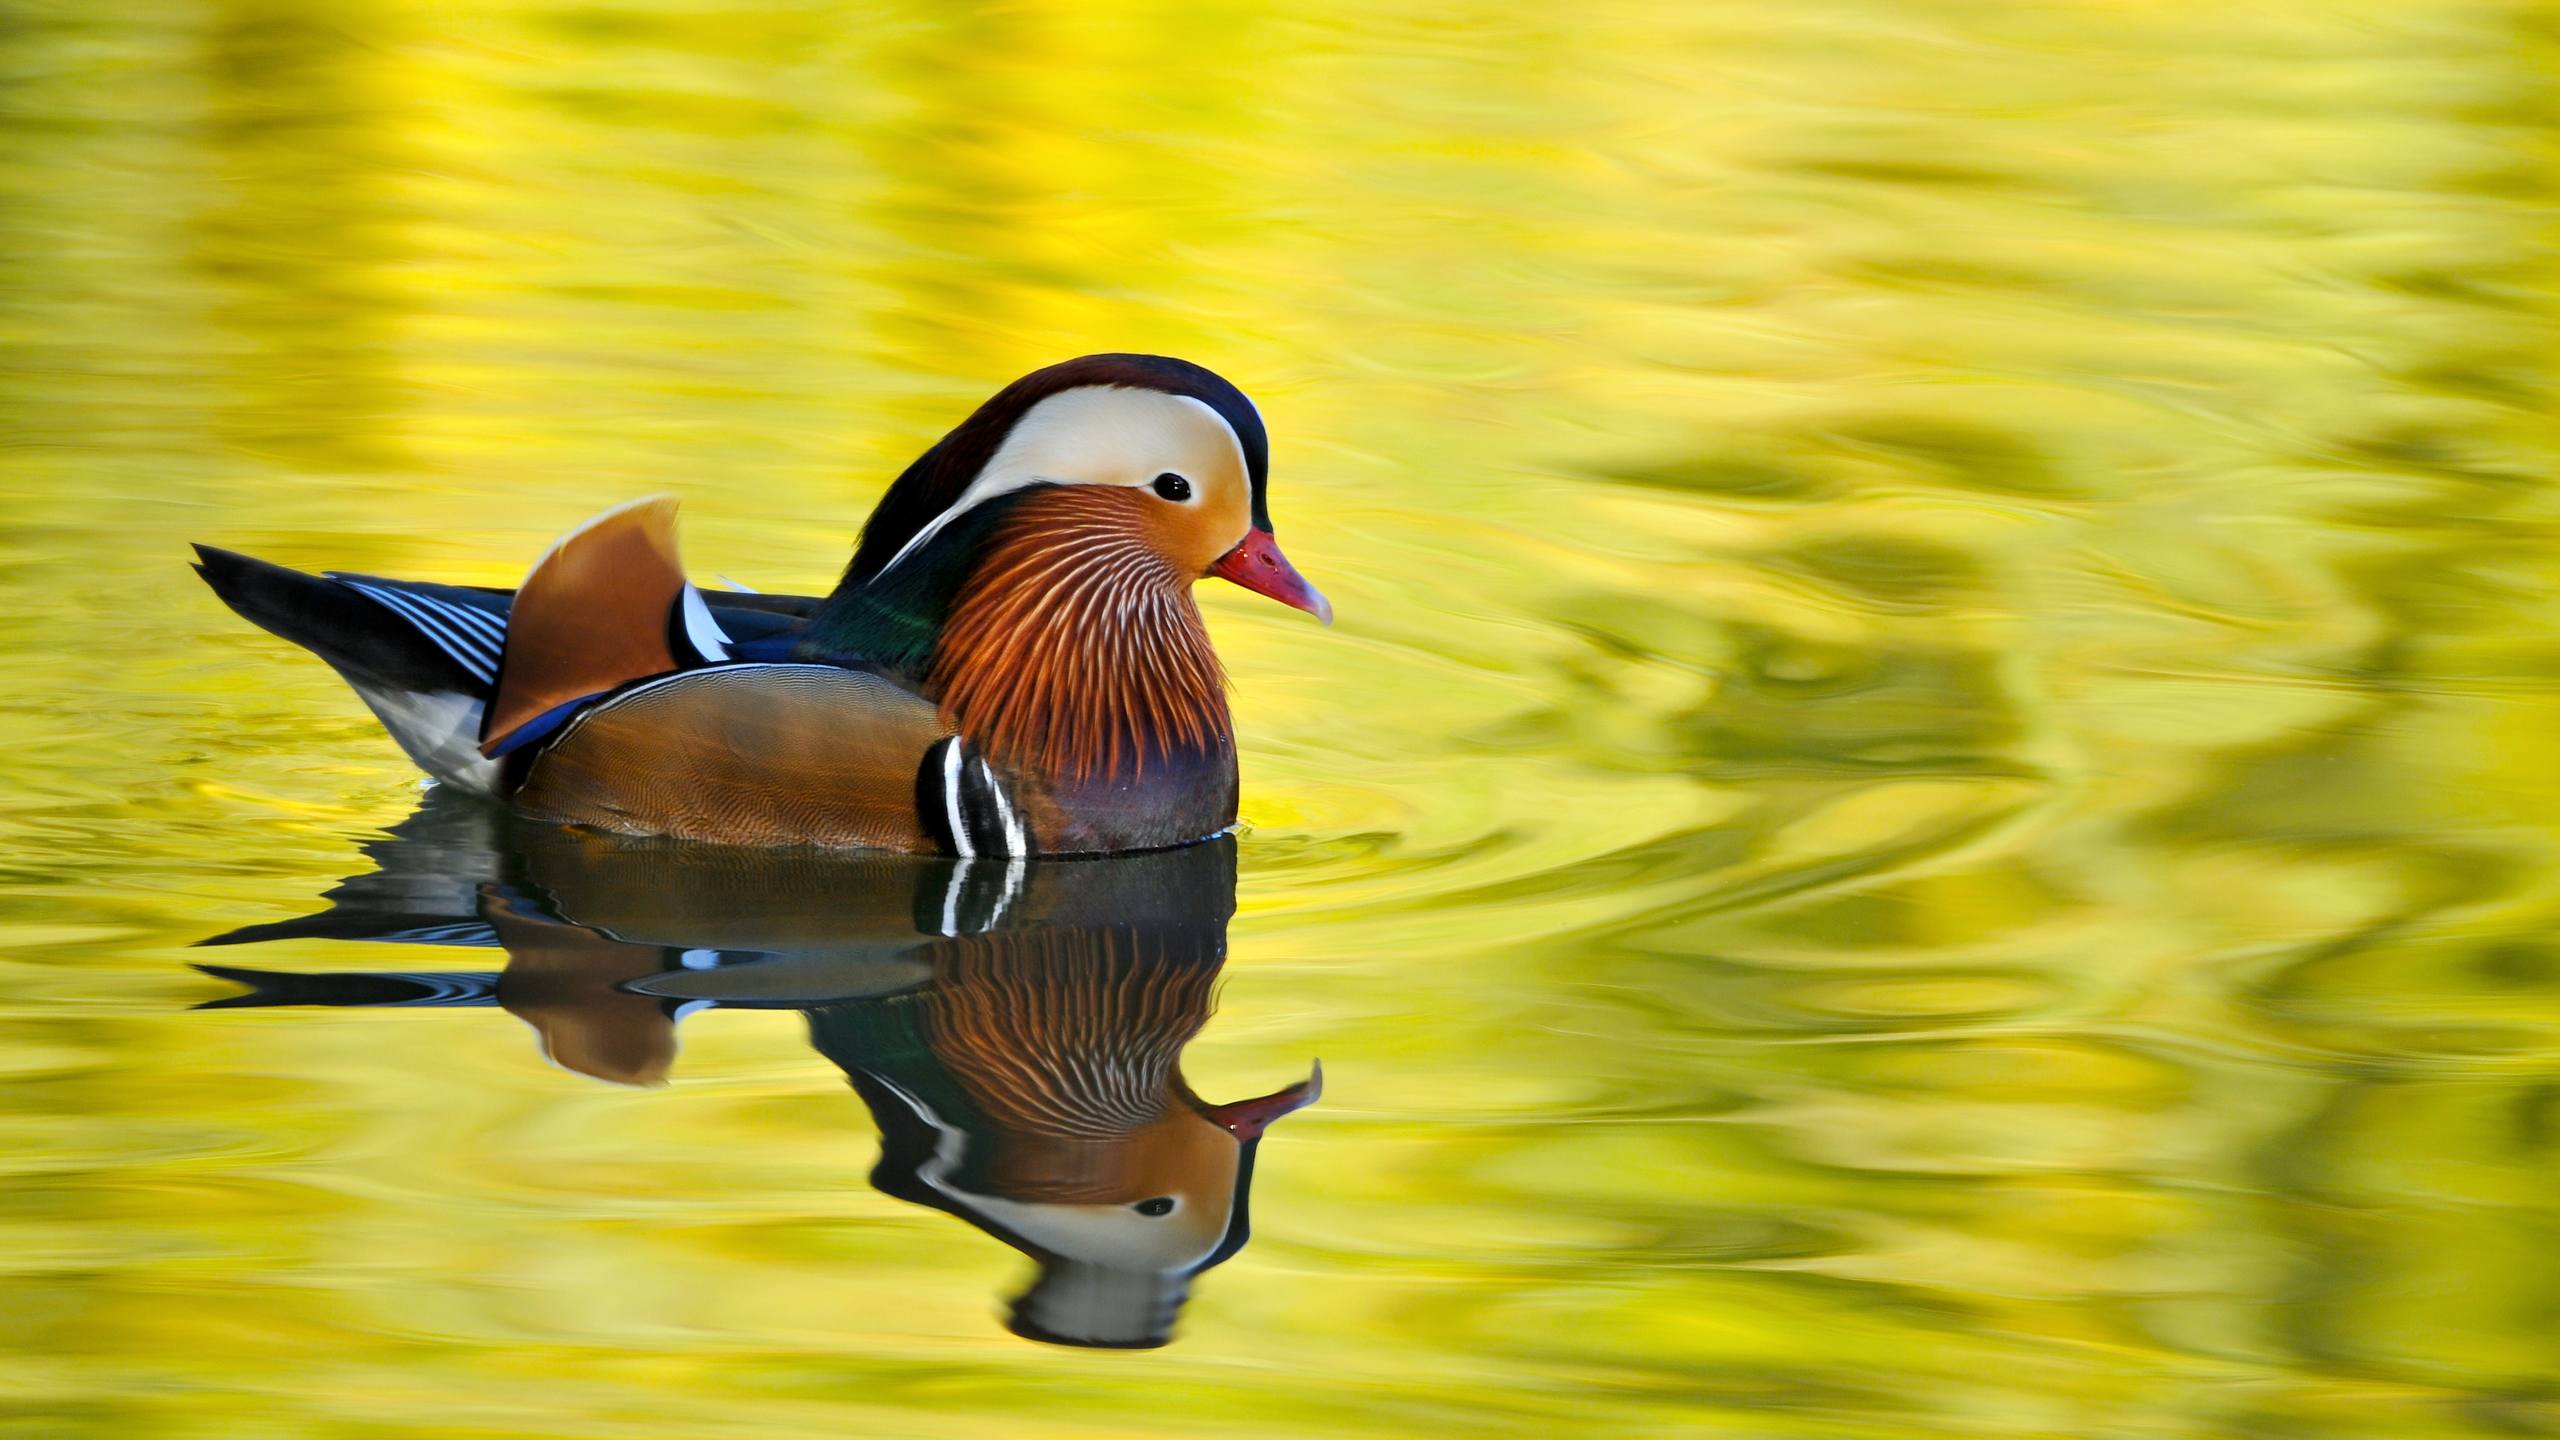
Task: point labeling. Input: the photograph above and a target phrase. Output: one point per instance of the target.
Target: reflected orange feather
(1071, 1044)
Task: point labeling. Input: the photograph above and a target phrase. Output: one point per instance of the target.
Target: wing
(425, 656)
(566, 982)
(745, 754)
(606, 605)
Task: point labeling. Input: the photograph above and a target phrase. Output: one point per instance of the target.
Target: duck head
(1034, 1089)
(1032, 572)
(1118, 1224)
(1166, 428)
(1115, 1268)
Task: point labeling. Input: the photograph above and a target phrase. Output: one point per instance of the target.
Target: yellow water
(1932, 813)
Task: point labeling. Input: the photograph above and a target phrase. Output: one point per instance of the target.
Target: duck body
(814, 753)
(1012, 665)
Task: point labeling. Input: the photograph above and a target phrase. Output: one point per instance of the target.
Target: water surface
(1932, 810)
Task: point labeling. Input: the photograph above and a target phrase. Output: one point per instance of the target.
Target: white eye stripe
(1075, 437)
(1244, 466)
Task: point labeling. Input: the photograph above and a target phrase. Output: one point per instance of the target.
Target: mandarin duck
(1015, 1029)
(1012, 663)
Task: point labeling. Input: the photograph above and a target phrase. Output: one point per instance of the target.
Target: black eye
(1171, 487)
(1162, 1204)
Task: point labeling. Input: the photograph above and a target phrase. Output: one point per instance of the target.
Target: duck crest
(929, 487)
(892, 622)
(1073, 651)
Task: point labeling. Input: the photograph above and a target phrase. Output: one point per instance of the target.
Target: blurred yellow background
(1932, 814)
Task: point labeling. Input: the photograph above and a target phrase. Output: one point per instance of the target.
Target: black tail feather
(357, 987)
(359, 637)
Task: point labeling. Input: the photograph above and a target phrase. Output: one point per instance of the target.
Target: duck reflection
(1015, 1027)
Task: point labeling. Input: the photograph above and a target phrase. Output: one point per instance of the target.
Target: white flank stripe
(951, 898)
(1004, 812)
(951, 797)
(1014, 870)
